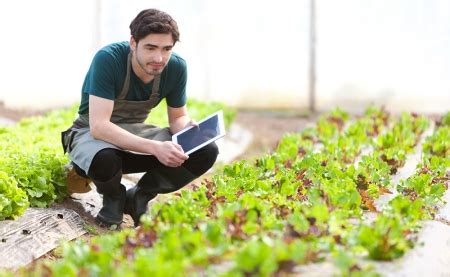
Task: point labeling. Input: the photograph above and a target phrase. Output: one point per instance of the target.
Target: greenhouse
(333, 158)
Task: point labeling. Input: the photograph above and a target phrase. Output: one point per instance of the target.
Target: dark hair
(153, 21)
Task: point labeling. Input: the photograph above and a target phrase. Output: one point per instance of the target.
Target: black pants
(158, 177)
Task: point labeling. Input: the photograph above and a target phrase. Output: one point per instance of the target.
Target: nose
(158, 57)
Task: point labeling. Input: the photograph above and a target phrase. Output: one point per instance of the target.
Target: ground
(267, 127)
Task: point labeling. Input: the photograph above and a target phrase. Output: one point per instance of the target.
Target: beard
(150, 71)
(146, 67)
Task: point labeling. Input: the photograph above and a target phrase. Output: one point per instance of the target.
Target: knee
(207, 155)
(105, 165)
(211, 152)
(202, 160)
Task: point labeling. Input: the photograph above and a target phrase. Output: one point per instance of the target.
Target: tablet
(209, 129)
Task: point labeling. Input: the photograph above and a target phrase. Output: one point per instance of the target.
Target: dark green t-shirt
(106, 77)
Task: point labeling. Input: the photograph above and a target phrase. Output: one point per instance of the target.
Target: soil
(269, 126)
(17, 114)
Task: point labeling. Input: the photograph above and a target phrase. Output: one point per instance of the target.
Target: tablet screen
(196, 137)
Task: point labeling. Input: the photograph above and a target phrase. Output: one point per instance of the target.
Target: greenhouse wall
(245, 53)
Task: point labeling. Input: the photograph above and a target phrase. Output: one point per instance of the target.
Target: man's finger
(179, 159)
(194, 123)
(180, 154)
(178, 146)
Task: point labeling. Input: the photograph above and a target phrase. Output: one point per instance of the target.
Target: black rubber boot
(137, 202)
(114, 197)
(160, 180)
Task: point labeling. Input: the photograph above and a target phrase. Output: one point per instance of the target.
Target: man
(125, 81)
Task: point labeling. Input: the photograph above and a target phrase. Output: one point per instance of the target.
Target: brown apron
(129, 115)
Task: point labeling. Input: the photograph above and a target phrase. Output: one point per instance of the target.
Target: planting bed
(344, 196)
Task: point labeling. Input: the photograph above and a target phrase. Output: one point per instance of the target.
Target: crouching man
(125, 81)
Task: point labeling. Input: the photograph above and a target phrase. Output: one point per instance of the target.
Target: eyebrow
(156, 46)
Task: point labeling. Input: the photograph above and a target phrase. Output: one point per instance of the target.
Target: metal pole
(312, 56)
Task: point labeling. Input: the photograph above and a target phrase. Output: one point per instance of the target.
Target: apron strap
(154, 97)
(126, 84)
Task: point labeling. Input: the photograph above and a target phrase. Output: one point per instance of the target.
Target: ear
(133, 43)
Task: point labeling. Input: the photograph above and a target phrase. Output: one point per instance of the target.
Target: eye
(149, 47)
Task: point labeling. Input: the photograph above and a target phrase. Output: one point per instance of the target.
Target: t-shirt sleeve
(177, 95)
(101, 77)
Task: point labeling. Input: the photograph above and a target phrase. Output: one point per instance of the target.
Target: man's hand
(191, 123)
(170, 154)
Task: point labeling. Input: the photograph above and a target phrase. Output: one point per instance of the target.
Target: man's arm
(100, 110)
(179, 119)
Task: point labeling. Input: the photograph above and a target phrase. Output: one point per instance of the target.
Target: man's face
(152, 53)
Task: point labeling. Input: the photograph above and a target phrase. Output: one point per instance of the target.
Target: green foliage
(31, 153)
(256, 257)
(293, 146)
(197, 110)
(446, 119)
(423, 186)
(439, 143)
(384, 239)
(348, 265)
(294, 206)
(32, 157)
(372, 171)
(410, 211)
(13, 200)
